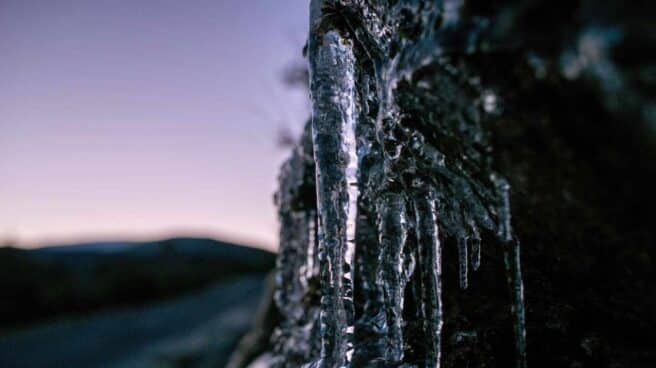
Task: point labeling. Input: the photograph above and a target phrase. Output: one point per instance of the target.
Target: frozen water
(332, 86)
(395, 163)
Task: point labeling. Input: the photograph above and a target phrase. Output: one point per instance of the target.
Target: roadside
(188, 331)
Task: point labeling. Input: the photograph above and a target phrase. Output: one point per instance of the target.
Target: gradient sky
(145, 118)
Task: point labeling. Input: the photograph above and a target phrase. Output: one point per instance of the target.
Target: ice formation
(393, 166)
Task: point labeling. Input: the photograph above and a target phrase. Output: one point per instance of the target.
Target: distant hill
(37, 284)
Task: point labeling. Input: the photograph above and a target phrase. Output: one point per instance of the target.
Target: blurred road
(176, 332)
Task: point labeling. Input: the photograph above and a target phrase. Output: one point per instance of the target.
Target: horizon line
(54, 241)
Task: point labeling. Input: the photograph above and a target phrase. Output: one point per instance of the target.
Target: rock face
(397, 243)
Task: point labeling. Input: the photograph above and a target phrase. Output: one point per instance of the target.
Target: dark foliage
(44, 283)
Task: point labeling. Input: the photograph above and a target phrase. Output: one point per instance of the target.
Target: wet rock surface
(444, 134)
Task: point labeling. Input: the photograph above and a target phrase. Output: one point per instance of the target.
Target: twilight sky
(144, 118)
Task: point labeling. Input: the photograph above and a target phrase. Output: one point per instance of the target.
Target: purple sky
(144, 118)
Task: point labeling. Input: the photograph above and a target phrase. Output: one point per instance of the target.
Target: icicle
(463, 259)
(514, 277)
(332, 86)
(503, 193)
(513, 269)
(393, 232)
(409, 169)
(431, 271)
(475, 241)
